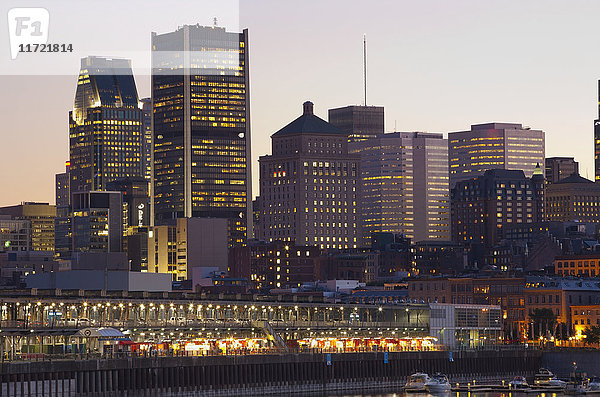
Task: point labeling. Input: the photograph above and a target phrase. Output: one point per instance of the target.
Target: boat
(577, 383)
(438, 383)
(593, 386)
(416, 382)
(518, 382)
(545, 378)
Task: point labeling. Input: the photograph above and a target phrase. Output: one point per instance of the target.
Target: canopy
(104, 333)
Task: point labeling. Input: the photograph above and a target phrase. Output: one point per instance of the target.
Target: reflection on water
(452, 394)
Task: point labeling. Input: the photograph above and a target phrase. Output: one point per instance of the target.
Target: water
(452, 394)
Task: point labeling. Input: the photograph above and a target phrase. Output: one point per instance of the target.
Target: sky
(435, 65)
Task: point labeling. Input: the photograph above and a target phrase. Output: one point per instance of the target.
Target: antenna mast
(365, 65)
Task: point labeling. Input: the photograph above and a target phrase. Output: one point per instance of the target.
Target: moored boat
(518, 382)
(545, 378)
(416, 382)
(438, 383)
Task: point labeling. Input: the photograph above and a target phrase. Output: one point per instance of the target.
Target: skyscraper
(309, 190)
(405, 188)
(41, 216)
(202, 127)
(558, 168)
(147, 138)
(597, 139)
(105, 125)
(62, 223)
(494, 146)
(360, 122)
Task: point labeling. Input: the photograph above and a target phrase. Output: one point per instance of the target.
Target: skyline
(521, 90)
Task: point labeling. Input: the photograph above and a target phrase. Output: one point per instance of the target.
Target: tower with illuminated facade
(105, 125)
(597, 140)
(309, 186)
(489, 146)
(201, 127)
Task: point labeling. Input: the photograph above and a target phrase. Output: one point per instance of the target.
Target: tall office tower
(202, 127)
(105, 125)
(558, 168)
(41, 216)
(147, 138)
(405, 185)
(309, 186)
(97, 221)
(360, 122)
(597, 139)
(62, 223)
(482, 206)
(494, 146)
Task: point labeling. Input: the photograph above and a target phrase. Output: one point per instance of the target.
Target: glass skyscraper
(105, 125)
(201, 127)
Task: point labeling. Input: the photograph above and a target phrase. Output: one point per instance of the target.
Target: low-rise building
(466, 326)
(586, 265)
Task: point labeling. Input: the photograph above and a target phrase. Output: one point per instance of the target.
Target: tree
(592, 335)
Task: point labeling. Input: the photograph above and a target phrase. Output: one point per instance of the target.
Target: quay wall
(561, 361)
(255, 374)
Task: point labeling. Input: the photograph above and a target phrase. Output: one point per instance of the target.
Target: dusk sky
(436, 66)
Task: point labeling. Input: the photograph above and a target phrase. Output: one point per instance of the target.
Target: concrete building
(558, 168)
(185, 243)
(309, 186)
(405, 185)
(482, 205)
(97, 221)
(360, 122)
(97, 280)
(15, 234)
(584, 265)
(494, 146)
(41, 216)
(201, 127)
(62, 188)
(278, 264)
(573, 199)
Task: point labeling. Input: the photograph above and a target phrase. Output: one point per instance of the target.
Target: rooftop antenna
(365, 65)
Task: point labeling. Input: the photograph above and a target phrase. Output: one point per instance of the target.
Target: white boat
(438, 383)
(519, 382)
(416, 382)
(545, 378)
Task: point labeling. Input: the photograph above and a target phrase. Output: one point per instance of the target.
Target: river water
(452, 394)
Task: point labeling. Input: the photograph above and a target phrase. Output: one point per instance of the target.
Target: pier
(254, 374)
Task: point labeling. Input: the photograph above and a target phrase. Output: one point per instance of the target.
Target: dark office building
(483, 205)
(62, 223)
(105, 125)
(597, 139)
(202, 127)
(97, 221)
(360, 122)
(147, 138)
(558, 168)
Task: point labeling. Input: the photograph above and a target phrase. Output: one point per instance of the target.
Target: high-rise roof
(309, 123)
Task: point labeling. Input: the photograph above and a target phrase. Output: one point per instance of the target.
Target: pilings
(258, 374)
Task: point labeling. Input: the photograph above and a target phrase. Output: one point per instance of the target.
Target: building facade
(41, 217)
(573, 199)
(360, 122)
(558, 168)
(146, 138)
(309, 186)
(201, 127)
(494, 146)
(187, 243)
(405, 188)
(483, 205)
(586, 265)
(105, 125)
(97, 222)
